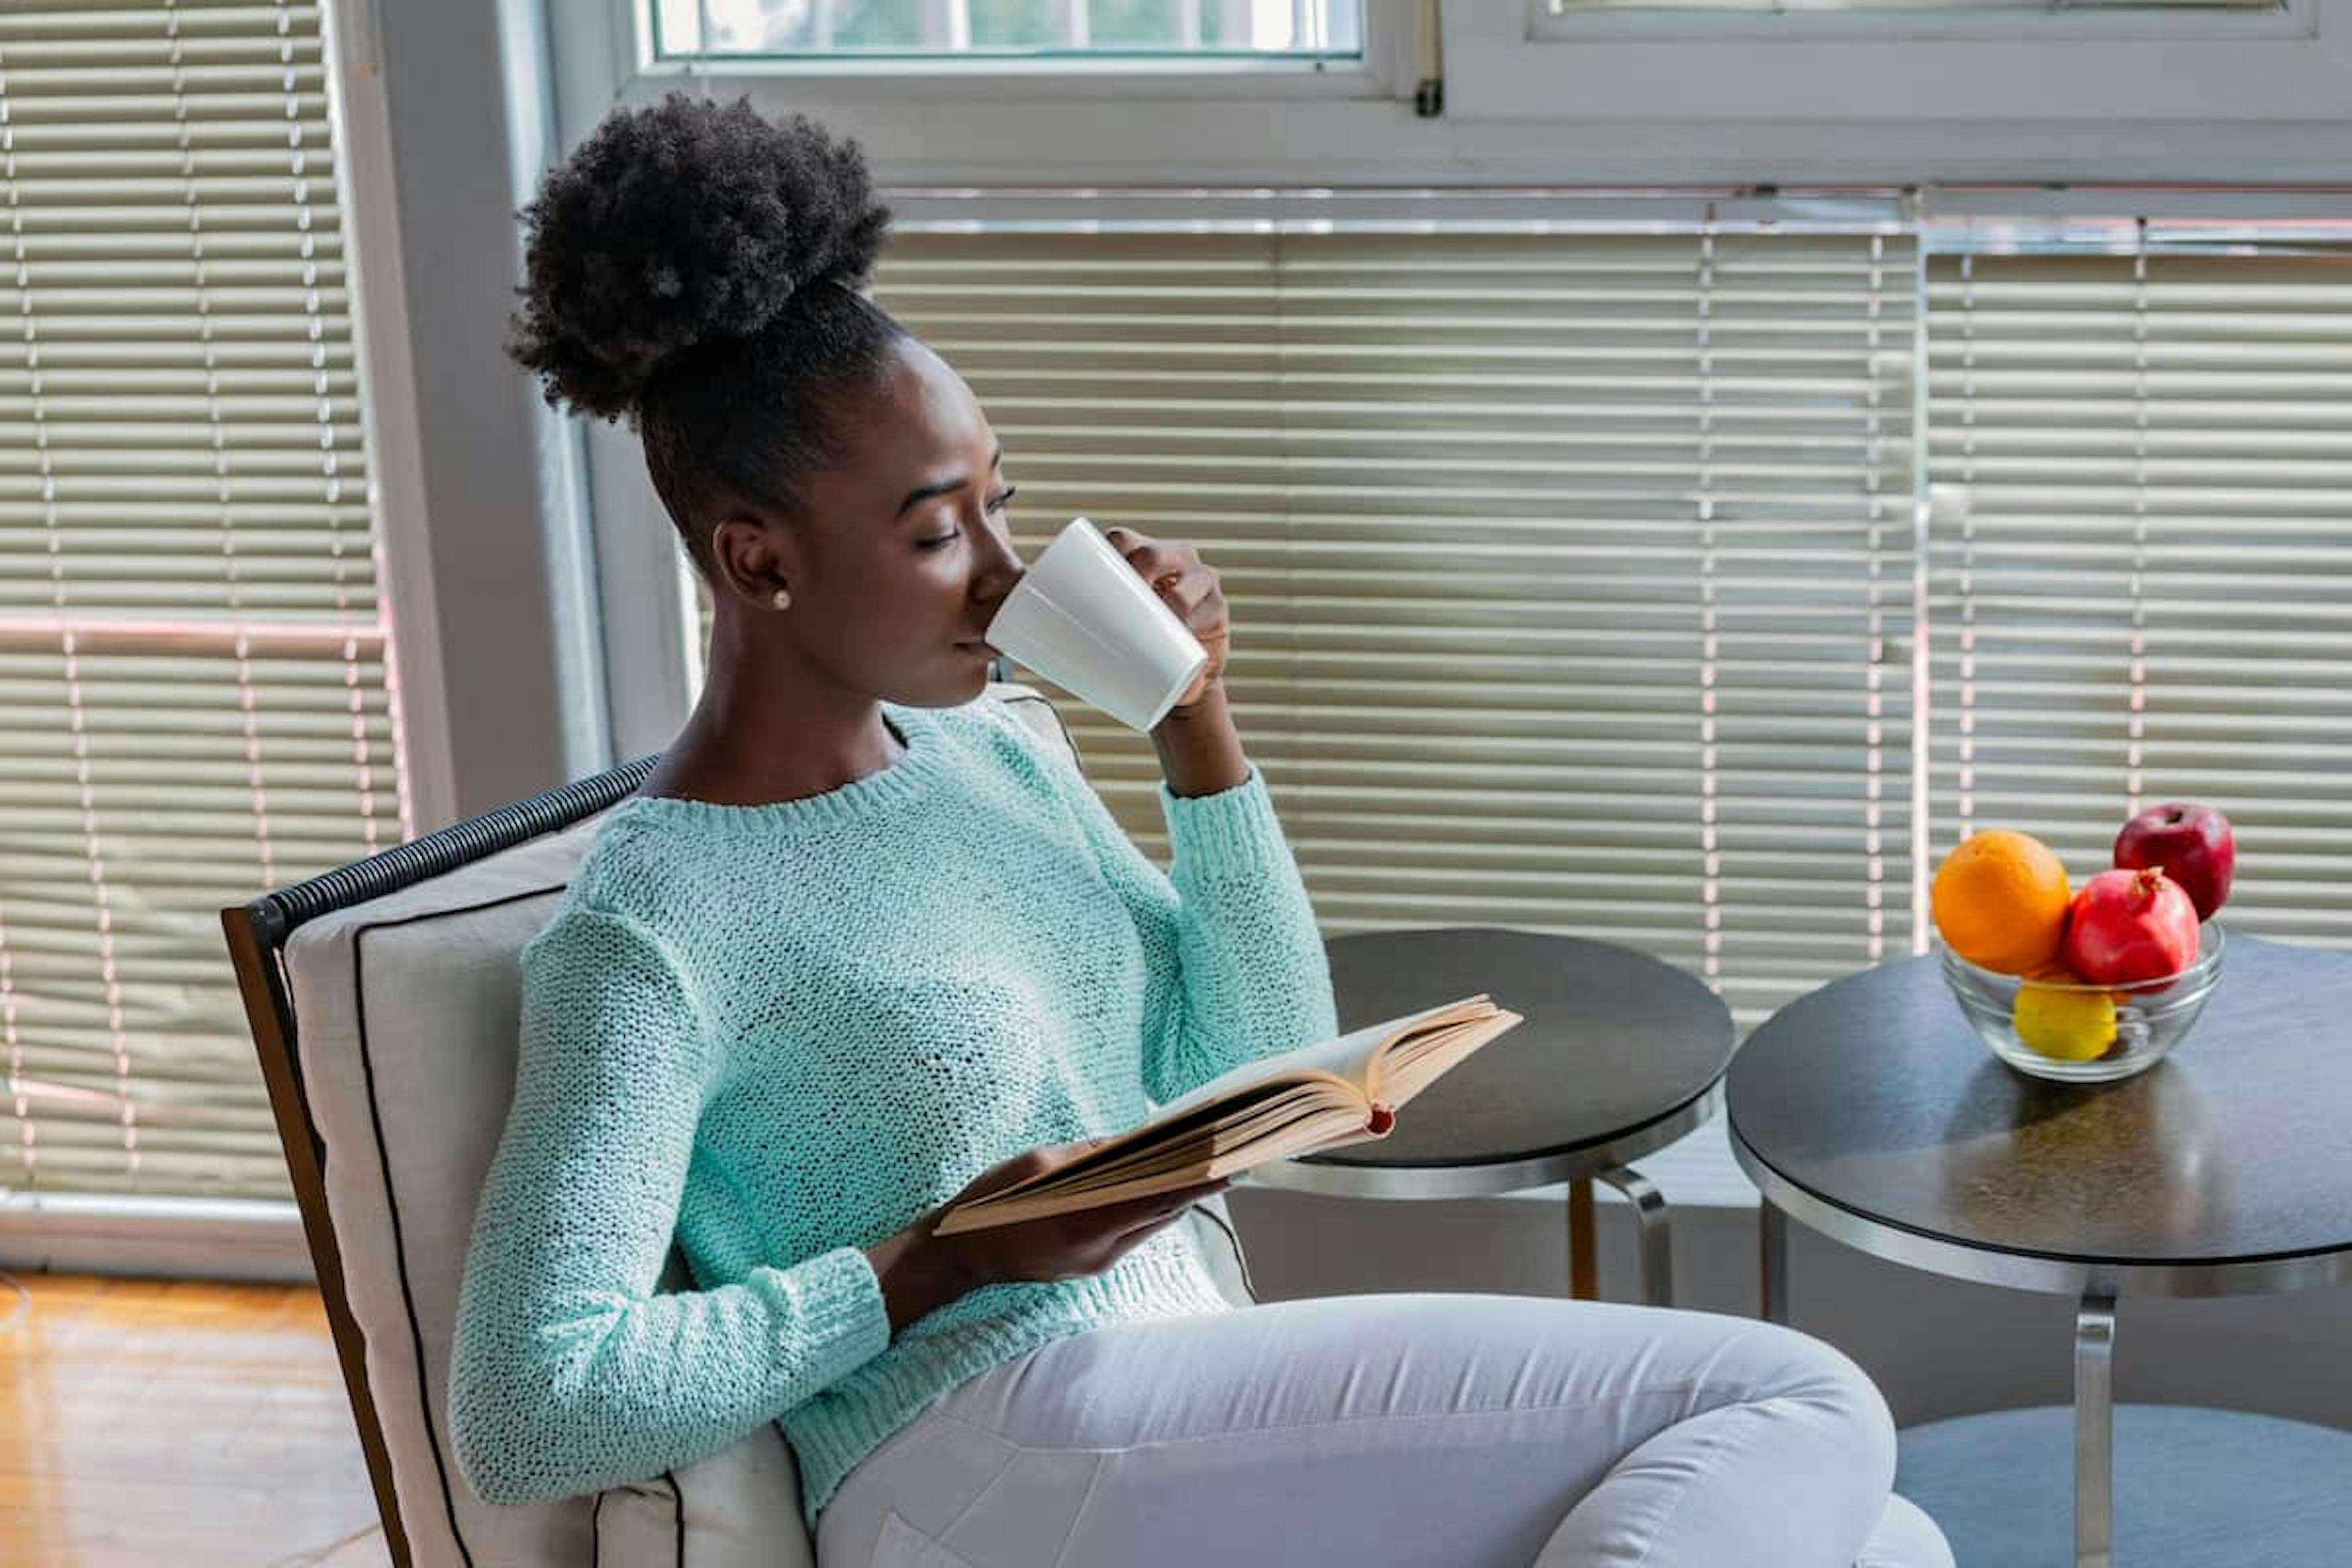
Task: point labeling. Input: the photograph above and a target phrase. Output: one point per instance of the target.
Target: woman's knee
(1853, 1419)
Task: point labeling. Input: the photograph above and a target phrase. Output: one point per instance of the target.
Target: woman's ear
(752, 558)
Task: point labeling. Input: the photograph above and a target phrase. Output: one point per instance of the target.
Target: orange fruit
(2000, 900)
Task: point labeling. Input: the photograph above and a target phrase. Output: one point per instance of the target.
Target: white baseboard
(180, 1238)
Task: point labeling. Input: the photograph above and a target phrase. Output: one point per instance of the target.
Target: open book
(1323, 1096)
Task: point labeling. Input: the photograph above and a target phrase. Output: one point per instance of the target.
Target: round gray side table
(1872, 1113)
(1620, 1055)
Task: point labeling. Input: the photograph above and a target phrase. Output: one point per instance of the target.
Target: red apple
(2129, 926)
(2191, 843)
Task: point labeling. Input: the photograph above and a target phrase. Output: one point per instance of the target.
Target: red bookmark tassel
(1381, 1121)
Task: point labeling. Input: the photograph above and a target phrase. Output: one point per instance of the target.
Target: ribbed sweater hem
(1231, 833)
(832, 1432)
(834, 1309)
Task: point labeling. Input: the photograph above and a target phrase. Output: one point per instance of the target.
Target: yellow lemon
(2069, 1025)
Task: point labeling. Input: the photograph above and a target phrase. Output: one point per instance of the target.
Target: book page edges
(1404, 1079)
(1325, 1129)
(1105, 1156)
(1224, 1127)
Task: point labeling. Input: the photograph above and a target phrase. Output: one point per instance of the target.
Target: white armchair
(384, 1003)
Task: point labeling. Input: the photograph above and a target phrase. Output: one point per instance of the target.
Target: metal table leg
(1583, 1264)
(2094, 1430)
(1657, 1239)
(1772, 1230)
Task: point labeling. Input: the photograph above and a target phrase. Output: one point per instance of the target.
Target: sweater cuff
(1234, 830)
(830, 1315)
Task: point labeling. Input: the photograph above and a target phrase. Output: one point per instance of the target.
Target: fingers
(1029, 1162)
(1196, 595)
(1186, 584)
(1158, 563)
(1088, 1241)
(1122, 1241)
(1158, 1208)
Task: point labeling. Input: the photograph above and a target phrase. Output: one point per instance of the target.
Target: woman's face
(903, 552)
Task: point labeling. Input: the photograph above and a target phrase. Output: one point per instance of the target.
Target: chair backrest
(385, 1005)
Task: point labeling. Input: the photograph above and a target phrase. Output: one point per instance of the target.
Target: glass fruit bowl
(2084, 1034)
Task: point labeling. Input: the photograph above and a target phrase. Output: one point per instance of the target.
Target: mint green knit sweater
(780, 1033)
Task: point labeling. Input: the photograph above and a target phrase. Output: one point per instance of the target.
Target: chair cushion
(408, 1010)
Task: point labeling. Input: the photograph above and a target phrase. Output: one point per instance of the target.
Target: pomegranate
(2126, 926)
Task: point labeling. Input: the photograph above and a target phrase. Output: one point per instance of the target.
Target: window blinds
(194, 662)
(1570, 574)
(1574, 573)
(2143, 555)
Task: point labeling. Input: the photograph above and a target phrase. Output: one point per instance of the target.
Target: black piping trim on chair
(1060, 723)
(384, 1164)
(275, 915)
(1241, 1258)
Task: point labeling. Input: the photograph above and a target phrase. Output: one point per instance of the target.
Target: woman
(861, 946)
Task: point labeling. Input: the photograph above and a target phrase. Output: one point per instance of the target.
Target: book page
(1246, 1123)
(1350, 1057)
(1321, 1130)
(1294, 1102)
(1241, 1107)
(1422, 1060)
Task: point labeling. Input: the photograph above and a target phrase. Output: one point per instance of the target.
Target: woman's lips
(974, 645)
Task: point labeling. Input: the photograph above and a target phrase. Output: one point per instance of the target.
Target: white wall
(482, 549)
(1936, 1346)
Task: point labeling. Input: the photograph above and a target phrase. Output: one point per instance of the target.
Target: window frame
(1952, 22)
(1799, 98)
(1984, 69)
(629, 64)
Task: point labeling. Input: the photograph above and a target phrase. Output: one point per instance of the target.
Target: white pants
(1407, 1431)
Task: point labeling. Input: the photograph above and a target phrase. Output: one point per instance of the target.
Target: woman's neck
(767, 729)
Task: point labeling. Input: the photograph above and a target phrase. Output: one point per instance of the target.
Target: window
(961, 29)
(195, 667)
(1577, 567)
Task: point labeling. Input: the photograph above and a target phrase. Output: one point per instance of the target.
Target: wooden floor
(147, 1421)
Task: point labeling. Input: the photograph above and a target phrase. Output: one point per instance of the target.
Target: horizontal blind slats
(1456, 487)
(2143, 592)
(189, 711)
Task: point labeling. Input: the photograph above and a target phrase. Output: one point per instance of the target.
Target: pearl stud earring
(783, 600)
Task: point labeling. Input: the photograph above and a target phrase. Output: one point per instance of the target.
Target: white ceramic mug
(1086, 621)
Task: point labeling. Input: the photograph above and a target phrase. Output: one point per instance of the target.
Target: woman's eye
(1003, 498)
(939, 541)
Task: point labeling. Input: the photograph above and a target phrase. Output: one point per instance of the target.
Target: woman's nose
(1000, 566)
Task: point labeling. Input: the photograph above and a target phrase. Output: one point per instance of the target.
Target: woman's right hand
(921, 1272)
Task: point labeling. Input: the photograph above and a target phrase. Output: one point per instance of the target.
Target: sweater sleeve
(1235, 962)
(569, 1373)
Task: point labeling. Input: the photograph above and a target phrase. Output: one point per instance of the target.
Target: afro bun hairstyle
(694, 268)
(675, 225)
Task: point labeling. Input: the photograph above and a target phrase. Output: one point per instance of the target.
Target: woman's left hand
(1188, 586)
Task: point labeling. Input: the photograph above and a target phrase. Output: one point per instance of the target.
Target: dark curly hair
(694, 268)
